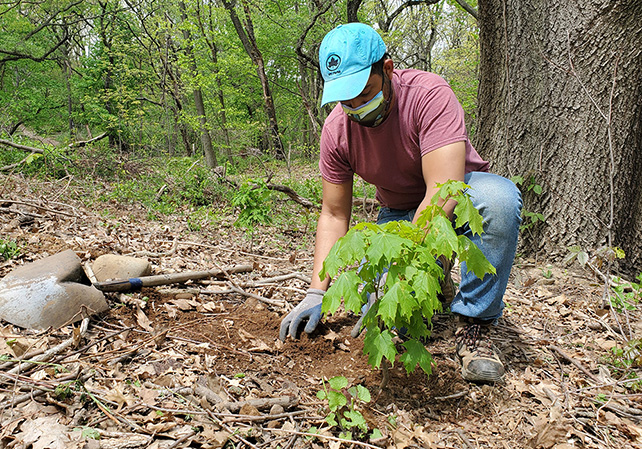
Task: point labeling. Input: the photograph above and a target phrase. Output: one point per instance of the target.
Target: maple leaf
(346, 287)
(379, 344)
(474, 259)
(444, 237)
(387, 247)
(416, 354)
(465, 212)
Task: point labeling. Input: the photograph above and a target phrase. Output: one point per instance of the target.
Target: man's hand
(308, 310)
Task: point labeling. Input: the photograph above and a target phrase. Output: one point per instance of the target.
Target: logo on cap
(333, 62)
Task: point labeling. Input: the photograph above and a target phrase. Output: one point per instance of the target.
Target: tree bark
(206, 139)
(246, 35)
(559, 100)
(208, 35)
(352, 8)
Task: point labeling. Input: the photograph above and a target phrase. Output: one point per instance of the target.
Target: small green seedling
(345, 404)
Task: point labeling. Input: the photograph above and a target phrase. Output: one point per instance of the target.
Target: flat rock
(111, 266)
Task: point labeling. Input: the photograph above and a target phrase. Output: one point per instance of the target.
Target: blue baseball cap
(346, 56)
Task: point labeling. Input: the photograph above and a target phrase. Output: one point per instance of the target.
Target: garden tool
(49, 292)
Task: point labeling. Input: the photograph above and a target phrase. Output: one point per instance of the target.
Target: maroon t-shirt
(426, 116)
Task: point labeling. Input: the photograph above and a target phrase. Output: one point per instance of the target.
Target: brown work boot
(447, 285)
(479, 360)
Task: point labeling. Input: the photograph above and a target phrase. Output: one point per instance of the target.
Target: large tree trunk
(559, 100)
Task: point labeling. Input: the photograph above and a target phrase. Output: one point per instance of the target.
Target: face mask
(370, 114)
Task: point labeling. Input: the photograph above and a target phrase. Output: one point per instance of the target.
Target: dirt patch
(154, 370)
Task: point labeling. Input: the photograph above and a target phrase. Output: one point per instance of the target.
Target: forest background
(550, 95)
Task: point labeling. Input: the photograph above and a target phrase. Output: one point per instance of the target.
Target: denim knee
(498, 200)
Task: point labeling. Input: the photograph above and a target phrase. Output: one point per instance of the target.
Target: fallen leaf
(44, 433)
(116, 395)
(143, 321)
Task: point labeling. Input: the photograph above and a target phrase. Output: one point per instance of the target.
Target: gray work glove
(309, 309)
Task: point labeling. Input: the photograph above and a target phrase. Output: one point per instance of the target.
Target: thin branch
(21, 147)
(469, 9)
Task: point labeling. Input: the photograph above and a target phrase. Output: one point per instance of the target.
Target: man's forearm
(449, 207)
(329, 230)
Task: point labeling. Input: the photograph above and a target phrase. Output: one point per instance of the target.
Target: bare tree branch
(469, 9)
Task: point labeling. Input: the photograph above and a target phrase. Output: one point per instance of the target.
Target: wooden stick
(574, 362)
(82, 143)
(37, 206)
(125, 285)
(324, 437)
(21, 147)
(55, 350)
(285, 401)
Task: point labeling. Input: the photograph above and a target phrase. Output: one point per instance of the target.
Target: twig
(233, 434)
(181, 440)
(273, 302)
(294, 195)
(17, 164)
(171, 252)
(82, 143)
(577, 364)
(285, 401)
(19, 212)
(55, 350)
(234, 286)
(21, 147)
(326, 437)
(94, 343)
(464, 438)
(251, 418)
(451, 396)
(38, 206)
(42, 390)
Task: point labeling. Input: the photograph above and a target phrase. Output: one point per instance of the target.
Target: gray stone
(111, 266)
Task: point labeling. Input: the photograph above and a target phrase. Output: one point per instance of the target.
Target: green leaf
(444, 235)
(338, 382)
(474, 258)
(427, 215)
(378, 344)
(465, 212)
(331, 419)
(322, 395)
(346, 287)
(451, 189)
(517, 179)
(389, 302)
(376, 434)
(537, 189)
(386, 247)
(363, 394)
(354, 418)
(398, 300)
(336, 400)
(352, 246)
(90, 432)
(345, 435)
(416, 354)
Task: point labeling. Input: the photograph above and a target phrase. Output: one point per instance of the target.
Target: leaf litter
(200, 364)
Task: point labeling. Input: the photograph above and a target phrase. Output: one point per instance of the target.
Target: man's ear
(388, 67)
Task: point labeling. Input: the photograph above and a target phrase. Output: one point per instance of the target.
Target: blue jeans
(499, 202)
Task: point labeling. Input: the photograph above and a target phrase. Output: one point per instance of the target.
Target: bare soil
(188, 366)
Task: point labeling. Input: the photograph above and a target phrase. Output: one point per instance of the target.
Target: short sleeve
(333, 163)
(440, 118)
